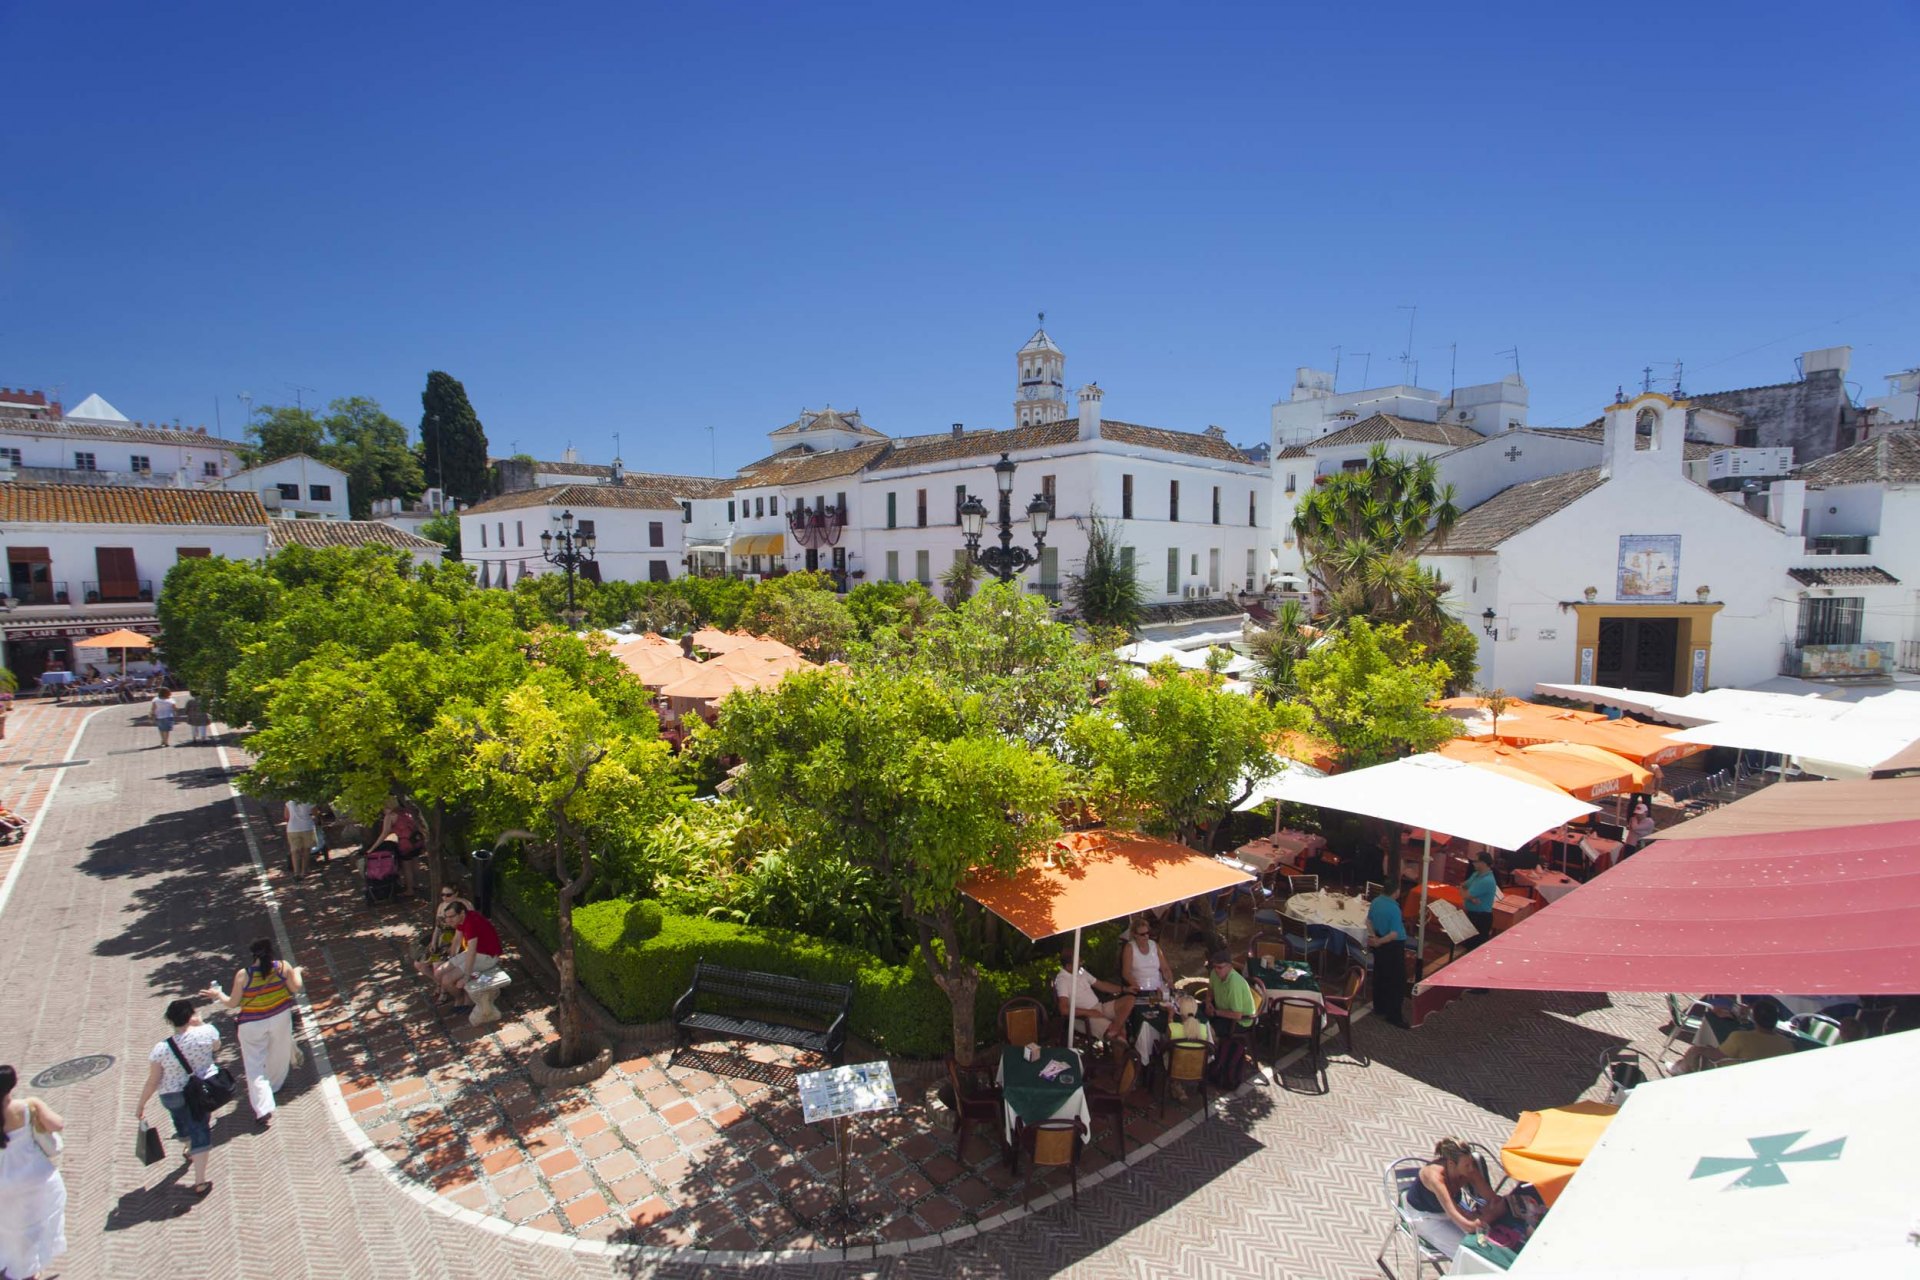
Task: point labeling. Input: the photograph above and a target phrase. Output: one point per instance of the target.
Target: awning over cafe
(1805, 806)
(1810, 912)
(760, 544)
(1432, 792)
(1090, 877)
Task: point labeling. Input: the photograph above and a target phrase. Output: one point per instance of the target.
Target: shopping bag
(147, 1146)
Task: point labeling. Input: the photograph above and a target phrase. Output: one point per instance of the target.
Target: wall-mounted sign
(1649, 567)
(1699, 682)
(1586, 664)
(1547, 633)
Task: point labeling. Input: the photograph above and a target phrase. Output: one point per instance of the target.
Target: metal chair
(1817, 1028)
(1687, 1021)
(1622, 1071)
(1052, 1144)
(1402, 1176)
(1302, 884)
(1112, 1104)
(1186, 1064)
(1301, 942)
(973, 1103)
(1340, 1007)
(1021, 1019)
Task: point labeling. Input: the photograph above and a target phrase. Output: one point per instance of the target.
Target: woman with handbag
(33, 1199)
(263, 993)
(185, 1054)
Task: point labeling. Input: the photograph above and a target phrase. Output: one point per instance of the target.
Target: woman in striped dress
(263, 995)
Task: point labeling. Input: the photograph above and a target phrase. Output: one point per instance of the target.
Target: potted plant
(1702, 592)
(1591, 593)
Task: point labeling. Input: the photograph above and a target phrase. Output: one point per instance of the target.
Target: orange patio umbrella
(1637, 778)
(656, 667)
(763, 666)
(1581, 779)
(1547, 1147)
(1644, 744)
(708, 683)
(1090, 877)
(122, 640)
(718, 642)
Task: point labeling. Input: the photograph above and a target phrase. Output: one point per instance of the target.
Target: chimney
(959, 429)
(1090, 397)
(1787, 506)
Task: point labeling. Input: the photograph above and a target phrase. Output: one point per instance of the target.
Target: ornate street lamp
(569, 550)
(1005, 560)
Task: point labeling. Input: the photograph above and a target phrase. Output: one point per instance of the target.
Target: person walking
(263, 994)
(33, 1198)
(1387, 938)
(163, 712)
(301, 836)
(188, 1050)
(198, 720)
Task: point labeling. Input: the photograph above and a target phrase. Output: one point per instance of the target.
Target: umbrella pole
(1420, 928)
(1073, 986)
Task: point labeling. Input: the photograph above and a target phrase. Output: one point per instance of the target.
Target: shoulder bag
(204, 1094)
(51, 1143)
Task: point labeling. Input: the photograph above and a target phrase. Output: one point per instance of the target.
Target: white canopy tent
(1625, 699)
(1792, 1166)
(1435, 793)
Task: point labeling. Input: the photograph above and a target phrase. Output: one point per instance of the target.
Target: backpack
(1228, 1069)
(381, 864)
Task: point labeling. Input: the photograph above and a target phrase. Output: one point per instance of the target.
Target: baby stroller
(382, 872)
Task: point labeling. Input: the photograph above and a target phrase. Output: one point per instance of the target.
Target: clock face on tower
(1031, 393)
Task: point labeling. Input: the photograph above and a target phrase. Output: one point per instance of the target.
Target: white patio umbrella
(1856, 746)
(1790, 1166)
(1437, 794)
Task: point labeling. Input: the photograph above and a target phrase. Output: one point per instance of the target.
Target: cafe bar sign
(77, 631)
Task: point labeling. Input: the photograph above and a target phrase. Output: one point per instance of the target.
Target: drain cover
(73, 1071)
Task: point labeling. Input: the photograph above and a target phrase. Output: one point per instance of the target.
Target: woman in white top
(33, 1199)
(162, 710)
(165, 1076)
(1142, 966)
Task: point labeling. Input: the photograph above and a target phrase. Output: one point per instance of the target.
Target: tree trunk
(567, 1007)
(963, 988)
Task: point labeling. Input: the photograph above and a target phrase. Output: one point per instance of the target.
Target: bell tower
(1040, 380)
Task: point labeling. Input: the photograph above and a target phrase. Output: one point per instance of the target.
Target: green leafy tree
(445, 530)
(453, 446)
(802, 610)
(1277, 648)
(356, 436)
(1368, 688)
(210, 610)
(957, 582)
(903, 777)
(1173, 752)
(1106, 592)
(899, 607)
(549, 758)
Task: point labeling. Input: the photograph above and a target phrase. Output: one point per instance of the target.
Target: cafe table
(1551, 886)
(1287, 981)
(1029, 1098)
(1347, 914)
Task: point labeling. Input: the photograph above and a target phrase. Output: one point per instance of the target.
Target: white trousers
(266, 1051)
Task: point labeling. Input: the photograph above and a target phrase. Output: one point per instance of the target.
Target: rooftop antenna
(1679, 367)
(218, 429)
(246, 398)
(1646, 379)
(1513, 351)
(1406, 357)
(1366, 370)
(713, 452)
(1453, 367)
(296, 388)
(1336, 367)
(616, 446)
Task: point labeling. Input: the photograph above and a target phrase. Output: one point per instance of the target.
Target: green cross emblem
(1763, 1166)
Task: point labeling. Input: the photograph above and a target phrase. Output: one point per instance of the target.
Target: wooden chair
(1268, 947)
(1302, 1020)
(1186, 1064)
(1340, 1007)
(1052, 1144)
(1112, 1105)
(973, 1102)
(1021, 1019)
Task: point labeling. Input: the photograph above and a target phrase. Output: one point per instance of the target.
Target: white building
(294, 487)
(1900, 406)
(408, 515)
(83, 559)
(322, 534)
(1626, 573)
(97, 444)
(639, 532)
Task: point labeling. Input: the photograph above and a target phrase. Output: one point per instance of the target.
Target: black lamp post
(1490, 623)
(569, 550)
(1005, 560)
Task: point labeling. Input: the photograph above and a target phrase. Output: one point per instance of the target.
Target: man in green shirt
(1229, 998)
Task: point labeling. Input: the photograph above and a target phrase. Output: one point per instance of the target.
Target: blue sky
(654, 219)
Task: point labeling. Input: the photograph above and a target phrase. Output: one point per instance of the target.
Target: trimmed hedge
(637, 959)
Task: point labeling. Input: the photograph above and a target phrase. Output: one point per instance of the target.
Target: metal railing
(1839, 544)
(125, 592)
(38, 593)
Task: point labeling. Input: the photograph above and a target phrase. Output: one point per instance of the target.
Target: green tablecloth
(1278, 984)
(1030, 1097)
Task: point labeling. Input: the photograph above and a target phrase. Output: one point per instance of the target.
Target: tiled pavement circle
(141, 887)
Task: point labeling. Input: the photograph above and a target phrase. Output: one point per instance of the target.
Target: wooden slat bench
(734, 989)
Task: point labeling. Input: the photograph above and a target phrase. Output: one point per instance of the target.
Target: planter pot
(548, 1076)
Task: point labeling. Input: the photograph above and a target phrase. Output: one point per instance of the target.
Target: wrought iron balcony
(27, 593)
(125, 592)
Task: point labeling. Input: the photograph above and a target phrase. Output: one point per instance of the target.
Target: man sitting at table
(1230, 1006)
(1105, 1018)
(1763, 1041)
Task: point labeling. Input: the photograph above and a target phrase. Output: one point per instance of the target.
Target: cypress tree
(453, 447)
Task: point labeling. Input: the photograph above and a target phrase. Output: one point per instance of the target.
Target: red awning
(1789, 913)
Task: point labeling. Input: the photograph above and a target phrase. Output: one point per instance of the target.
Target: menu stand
(835, 1094)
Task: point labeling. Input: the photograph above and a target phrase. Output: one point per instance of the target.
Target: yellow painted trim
(1695, 633)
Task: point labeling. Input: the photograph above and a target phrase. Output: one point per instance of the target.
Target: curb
(370, 1154)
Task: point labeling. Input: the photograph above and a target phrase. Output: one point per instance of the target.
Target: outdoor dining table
(1029, 1098)
(1286, 981)
(1264, 856)
(1347, 914)
(1551, 886)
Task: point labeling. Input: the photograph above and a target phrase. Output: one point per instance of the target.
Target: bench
(717, 984)
(483, 989)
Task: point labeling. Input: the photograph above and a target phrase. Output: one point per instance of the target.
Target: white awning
(1791, 1166)
(1449, 796)
(1606, 696)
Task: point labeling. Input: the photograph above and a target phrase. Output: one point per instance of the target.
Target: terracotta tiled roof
(785, 455)
(1690, 450)
(131, 432)
(1386, 426)
(827, 420)
(1480, 529)
(344, 533)
(1200, 444)
(583, 496)
(924, 451)
(1294, 451)
(128, 504)
(685, 486)
(811, 467)
(1889, 458)
(1870, 576)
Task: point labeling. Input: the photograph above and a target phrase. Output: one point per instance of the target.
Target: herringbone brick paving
(140, 888)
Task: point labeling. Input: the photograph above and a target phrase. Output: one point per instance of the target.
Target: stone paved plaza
(413, 1145)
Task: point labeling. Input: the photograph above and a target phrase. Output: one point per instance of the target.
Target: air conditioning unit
(1463, 415)
(1187, 591)
(270, 498)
